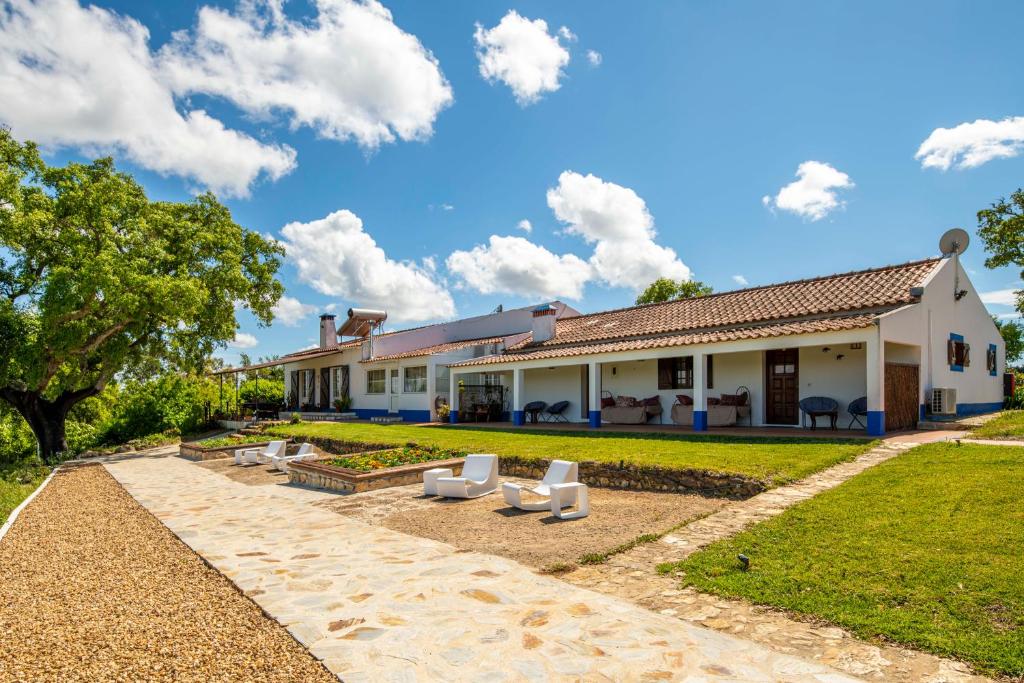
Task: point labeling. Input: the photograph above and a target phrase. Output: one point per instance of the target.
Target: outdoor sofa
(630, 411)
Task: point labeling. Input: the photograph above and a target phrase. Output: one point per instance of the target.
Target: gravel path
(94, 588)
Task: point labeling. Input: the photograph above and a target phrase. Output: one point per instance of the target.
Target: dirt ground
(253, 475)
(94, 588)
(539, 539)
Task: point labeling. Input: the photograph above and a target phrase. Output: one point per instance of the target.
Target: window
(958, 353)
(992, 360)
(376, 381)
(442, 379)
(416, 380)
(339, 381)
(306, 386)
(675, 373)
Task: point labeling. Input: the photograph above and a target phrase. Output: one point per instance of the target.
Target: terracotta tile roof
(437, 348)
(779, 329)
(879, 288)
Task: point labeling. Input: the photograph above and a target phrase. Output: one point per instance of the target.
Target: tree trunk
(46, 418)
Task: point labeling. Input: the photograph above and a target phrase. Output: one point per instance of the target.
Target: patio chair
(559, 472)
(857, 409)
(479, 477)
(533, 409)
(251, 456)
(554, 412)
(820, 406)
(282, 461)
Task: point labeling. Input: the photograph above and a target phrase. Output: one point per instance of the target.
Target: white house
(402, 373)
(885, 337)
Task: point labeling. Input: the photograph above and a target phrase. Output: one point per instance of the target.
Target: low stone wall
(193, 451)
(642, 477)
(319, 475)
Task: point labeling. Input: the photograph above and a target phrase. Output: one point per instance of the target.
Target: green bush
(16, 440)
(271, 391)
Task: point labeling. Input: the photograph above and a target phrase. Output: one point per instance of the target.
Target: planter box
(193, 451)
(318, 474)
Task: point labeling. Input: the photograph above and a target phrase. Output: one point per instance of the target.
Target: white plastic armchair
(479, 477)
(559, 472)
(282, 461)
(251, 456)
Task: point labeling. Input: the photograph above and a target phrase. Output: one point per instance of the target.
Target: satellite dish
(954, 241)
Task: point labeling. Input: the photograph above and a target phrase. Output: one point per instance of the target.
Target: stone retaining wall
(642, 477)
(193, 451)
(342, 480)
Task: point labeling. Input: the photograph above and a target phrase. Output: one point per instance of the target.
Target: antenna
(953, 243)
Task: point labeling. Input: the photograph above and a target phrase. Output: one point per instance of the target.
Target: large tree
(667, 289)
(1013, 338)
(1001, 227)
(95, 278)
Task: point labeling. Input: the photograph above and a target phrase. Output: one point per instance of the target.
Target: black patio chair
(533, 409)
(553, 413)
(857, 409)
(820, 406)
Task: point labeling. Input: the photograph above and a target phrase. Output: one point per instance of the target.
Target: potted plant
(343, 403)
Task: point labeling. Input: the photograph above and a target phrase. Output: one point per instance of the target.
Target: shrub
(296, 419)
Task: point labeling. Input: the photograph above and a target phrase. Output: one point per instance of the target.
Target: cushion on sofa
(684, 400)
(607, 402)
(625, 402)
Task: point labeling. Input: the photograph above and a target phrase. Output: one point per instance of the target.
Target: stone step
(386, 419)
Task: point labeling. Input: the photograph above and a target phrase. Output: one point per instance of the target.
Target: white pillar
(453, 397)
(594, 393)
(700, 392)
(875, 360)
(431, 389)
(518, 378)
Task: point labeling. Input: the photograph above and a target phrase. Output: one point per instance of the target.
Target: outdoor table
(566, 492)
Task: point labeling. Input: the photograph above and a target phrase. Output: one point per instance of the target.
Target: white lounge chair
(479, 477)
(282, 461)
(251, 456)
(559, 472)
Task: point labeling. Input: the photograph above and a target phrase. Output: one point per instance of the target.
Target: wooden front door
(902, 409)
(782, 387)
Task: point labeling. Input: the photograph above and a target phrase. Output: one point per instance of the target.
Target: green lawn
(926, 549)
(774, 460)
(1008, 425)
(16, 483)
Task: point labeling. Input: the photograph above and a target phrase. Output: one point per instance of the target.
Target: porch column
(518, 416)
(875, 353)
(594, 394)
(700, 392)
(431, 390)
(453, 397)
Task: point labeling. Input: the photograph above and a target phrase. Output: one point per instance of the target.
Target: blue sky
(699, 113)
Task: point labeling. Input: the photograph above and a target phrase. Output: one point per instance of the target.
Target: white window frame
(442, 379)
(418, 380)
(383, 381)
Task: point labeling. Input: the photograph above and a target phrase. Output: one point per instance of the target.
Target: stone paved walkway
(378, 605)
(632, 576)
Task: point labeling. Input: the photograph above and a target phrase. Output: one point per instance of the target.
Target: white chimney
(544, 318)
(328, 333)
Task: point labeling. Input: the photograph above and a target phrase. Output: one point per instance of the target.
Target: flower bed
(372, 470)
(212, 449)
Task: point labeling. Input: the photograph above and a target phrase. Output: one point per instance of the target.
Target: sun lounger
(479, 477)
(251, 456)
(282, 461)
(559, 472)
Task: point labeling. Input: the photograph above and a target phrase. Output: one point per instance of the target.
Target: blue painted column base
(595, 419)
(453, 417)
(518, 418)
(876, 423)
(700, 420)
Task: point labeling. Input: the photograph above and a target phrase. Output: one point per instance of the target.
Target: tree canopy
(1001, 227)
(667, 289)
(1013, 337)
(95, 278)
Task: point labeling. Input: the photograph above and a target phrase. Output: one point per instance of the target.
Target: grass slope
(925, 549)
(775, 460)
(17, 482)
(1009, 424)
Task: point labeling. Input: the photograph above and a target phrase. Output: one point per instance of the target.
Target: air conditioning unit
(943, 402)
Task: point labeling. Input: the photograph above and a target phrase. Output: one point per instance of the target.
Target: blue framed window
(958, 352)
(992, 359)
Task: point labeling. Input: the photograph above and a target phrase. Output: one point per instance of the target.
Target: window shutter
(950, 352)
(967, 354)
(293, 390)
(711, 372)
(665, 368)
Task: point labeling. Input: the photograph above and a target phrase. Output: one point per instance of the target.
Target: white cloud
(526, 226)
(337, 257)
(290, 311)
(1001, 297)
(813, 195)
(1008, 316)
(85, 77)
(594, 57)
(523, 55)
(567, 34)
(243, 340)
(349, 73)
(616, 220)
(740, 280)
(972, 144)
(516, 265)
(447, 207)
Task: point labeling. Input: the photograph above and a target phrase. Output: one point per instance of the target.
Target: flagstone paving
(375, 604)
(632, 575)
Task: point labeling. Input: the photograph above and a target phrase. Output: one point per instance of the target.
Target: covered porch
(739, 386)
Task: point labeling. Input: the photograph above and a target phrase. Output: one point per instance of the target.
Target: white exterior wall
(820, 373)
(555, 384)
(929, 324)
